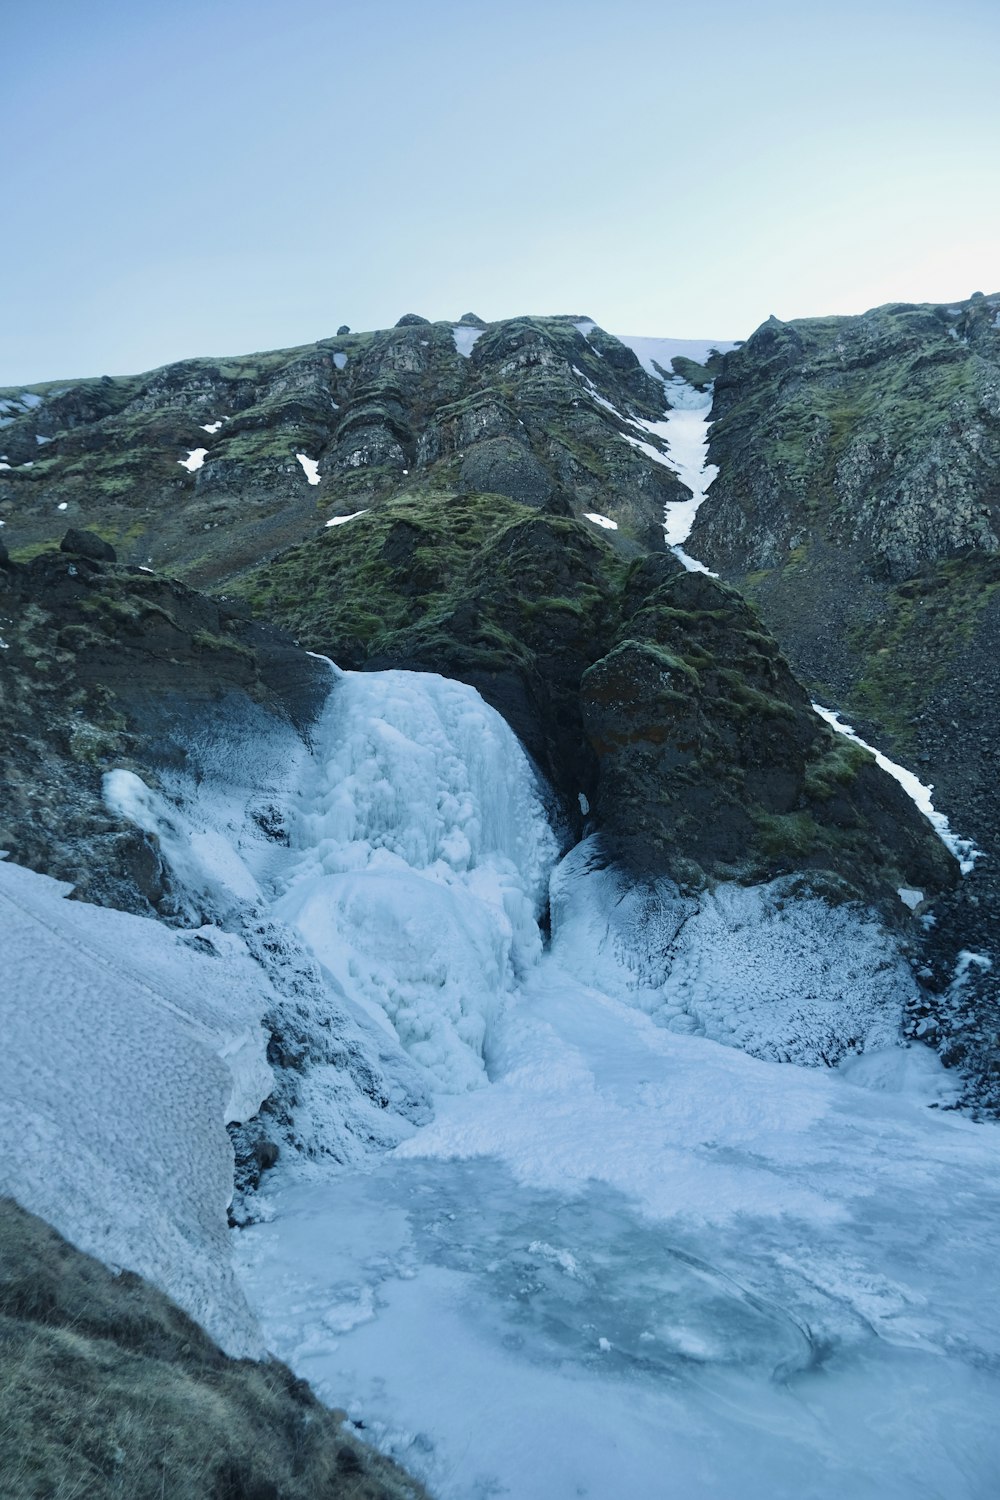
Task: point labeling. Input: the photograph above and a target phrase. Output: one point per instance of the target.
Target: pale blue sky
(192, 178)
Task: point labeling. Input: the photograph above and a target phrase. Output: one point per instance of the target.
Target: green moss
(30, 550)
(787, 836)
(907, 653)
(836, 770)
(204, 640)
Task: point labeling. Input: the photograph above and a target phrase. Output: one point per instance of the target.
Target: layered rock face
(653, 692)
(198, 468)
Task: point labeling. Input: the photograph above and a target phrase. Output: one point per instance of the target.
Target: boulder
(88, 544)
(413, 320)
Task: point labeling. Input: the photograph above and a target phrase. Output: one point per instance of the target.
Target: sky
(217, 177)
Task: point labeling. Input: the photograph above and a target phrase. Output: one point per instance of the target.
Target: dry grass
(109, 1392)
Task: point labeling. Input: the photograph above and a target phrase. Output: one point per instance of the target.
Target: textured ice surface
(637, 1252)
(422, 861)
(782, 976)
(640, 1253)
(126, 1048)
(619, 1258)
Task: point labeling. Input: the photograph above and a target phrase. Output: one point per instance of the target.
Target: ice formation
(615, 1249)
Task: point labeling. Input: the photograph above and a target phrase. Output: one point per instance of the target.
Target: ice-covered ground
(622, 1256)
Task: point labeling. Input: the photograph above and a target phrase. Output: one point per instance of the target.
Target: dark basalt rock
(470, 320)
(655, 692)
(713, 761)
(87, 544)
(342, 330)
(503, 466)
(413, 320)
(108, 666)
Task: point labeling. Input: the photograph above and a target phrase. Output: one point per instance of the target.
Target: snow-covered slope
(126, 1049)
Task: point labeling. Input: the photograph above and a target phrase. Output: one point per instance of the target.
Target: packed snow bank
(423, 853)
(126, 1049)
(779, 975)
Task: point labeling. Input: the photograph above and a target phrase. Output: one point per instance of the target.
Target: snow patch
(212, 426)
(964, 850)
(465, 339)
(343, 520)
(194, 460)
(310, 467)
(340, 360)
(603, 521)
(657, 355)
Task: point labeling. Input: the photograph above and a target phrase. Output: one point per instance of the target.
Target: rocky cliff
(858, 507)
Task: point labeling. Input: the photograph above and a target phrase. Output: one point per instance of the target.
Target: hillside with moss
(858, 499)
(195, 468)
(472, 500)
(858, 508)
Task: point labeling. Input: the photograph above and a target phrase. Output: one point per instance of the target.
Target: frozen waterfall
(572, 1217)
(622, 1258)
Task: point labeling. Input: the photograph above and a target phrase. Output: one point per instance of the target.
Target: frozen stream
(621, 1260)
